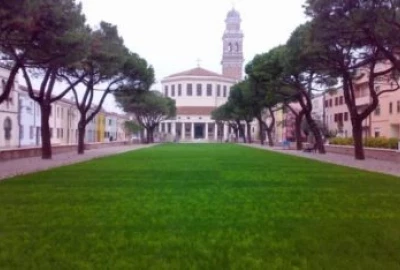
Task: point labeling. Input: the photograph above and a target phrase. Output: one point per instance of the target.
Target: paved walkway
(34, 164)
(372, 165)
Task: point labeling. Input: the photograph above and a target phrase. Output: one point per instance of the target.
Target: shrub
(380, 142)
(342, 141)
(393, 143)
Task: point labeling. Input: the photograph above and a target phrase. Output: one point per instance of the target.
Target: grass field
(200, 207)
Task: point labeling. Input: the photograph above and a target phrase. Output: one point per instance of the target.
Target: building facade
(30, 120)
(20, 121)
(197, 92)
(232, 57)
(9, 114)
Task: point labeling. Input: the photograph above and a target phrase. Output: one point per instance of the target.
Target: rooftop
(196, 72)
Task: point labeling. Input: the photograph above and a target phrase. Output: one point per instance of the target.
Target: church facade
(197, 92)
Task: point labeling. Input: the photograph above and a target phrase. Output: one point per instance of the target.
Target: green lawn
(203, 206)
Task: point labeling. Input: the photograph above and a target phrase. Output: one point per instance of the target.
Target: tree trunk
(248, 126)
(270, 139)
(261, 131)
(148, 140)
(299, 139)
(151, 133)
(45, 110)
(81, 137)
(242, 131)
(319, 143)
(357, 136)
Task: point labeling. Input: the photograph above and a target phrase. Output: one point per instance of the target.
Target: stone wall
(9, 154)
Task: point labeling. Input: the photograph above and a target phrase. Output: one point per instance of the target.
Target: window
(21, 132)
(326, 103)
(62, 132)
(173, 90)
(62, 113)
(189, 90)
(378, 110)
(109, 122)
(330, 103)
(225, 91)
(58, 133)
(346, 116)
(218, 90)
(229, 47)
(198, 90)
(31, 129)
(336, 101)
(209, 90)
(166, 90)
(179, 90)
(341, 100)
(390, 107)
(398, 106)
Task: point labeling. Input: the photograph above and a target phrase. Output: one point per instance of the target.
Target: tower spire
(232, 57)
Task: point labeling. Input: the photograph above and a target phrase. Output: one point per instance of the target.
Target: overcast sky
(172, 34)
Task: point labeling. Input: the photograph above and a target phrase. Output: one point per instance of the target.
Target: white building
(9, 118)
(198, 91)
(30, 120)
(318, 108)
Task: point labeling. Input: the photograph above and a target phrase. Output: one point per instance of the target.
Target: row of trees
(341, 39)
(49, 40)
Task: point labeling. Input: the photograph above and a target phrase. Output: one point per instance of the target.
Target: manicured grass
(216, 206)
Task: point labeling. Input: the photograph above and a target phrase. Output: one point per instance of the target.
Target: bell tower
(232, 57)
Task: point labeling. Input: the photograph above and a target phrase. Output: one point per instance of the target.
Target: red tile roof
(194, 110)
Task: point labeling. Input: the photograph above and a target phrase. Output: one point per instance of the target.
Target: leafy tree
(132, 126)
(149, 107)
(303, 76)
(22, 29)
(61, 43)
(108, 66)
(355, 35)
(240, 98)
(265, 85)
(225, 114)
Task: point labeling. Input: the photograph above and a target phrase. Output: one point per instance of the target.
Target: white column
(183, 130)
(192, 130)
(215, 132)
(173, 127)
(159, 127)
(206, 131)
(226, 135)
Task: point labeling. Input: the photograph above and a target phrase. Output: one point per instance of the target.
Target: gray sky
(171, 35)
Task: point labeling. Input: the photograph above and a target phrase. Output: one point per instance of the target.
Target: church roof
(196, 72)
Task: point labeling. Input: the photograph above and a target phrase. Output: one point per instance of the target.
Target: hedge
(380, 142)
